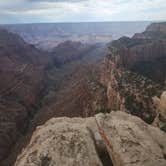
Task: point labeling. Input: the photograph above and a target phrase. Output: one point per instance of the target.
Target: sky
(35, 11)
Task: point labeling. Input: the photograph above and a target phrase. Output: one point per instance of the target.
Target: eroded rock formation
(134, 72)
(160, 103)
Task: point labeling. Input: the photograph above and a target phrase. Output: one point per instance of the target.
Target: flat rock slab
(130, 141)
(61, 142)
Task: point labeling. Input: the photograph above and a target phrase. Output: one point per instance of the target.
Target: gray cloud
(19, 11)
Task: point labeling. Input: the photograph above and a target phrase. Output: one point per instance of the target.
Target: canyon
(83, 103)
(35, 84)
(46, 36)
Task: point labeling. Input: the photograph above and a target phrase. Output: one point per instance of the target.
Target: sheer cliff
(134, 72)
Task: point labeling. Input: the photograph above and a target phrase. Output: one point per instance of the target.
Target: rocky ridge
(134, 72)
(21, 75)
(153, 31)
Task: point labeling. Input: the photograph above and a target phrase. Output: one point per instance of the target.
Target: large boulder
(61, 142)
(130, 141)
(162, 105)
(80, 142)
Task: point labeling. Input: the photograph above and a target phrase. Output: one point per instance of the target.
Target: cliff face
(154, 31)
(143, 56)
(134, 71)
(106, 139)
(21, 75)
(69, 51)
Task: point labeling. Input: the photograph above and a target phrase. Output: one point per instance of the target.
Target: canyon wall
(134, 72)
(21, 75)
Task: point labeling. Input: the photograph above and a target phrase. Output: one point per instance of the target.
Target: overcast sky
(29, 11)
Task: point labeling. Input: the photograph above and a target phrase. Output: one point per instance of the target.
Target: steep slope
(69, 51)
(117, 139)
(73, 82)
(134, 72)
(21, 75)
(69, 78)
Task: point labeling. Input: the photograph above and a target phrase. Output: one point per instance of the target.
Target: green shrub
(163, 128)
(102, 110)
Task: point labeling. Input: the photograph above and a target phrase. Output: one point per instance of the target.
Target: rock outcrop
(134, 72)
(77, 141)
(62, 141)
(130, 141)
(160, 103)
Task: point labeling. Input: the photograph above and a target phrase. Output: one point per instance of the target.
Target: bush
(102, 110)
(163, 128)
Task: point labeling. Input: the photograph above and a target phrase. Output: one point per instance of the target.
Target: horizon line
(77, 22)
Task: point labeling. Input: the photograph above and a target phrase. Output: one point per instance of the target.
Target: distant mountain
(48, 35)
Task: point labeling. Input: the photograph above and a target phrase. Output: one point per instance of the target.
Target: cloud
(19, 11)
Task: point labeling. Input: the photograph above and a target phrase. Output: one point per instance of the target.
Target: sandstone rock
(61, 142)
(162, 105)
(79, 142)
(130, 141)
